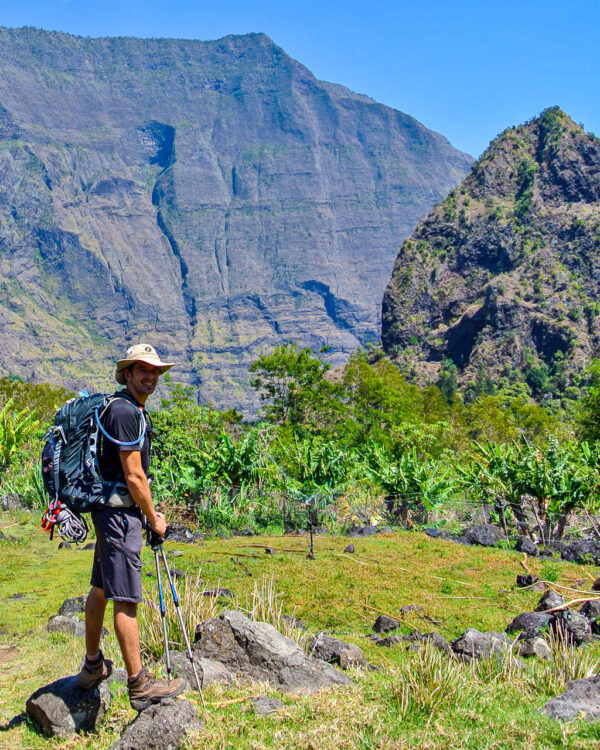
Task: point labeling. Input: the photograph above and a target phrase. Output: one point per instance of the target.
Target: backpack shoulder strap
(105, 405)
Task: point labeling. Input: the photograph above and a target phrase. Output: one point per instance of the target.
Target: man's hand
(159, 524)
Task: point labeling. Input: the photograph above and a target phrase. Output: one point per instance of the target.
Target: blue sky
(464, 68)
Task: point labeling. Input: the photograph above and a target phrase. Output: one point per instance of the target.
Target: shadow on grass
(14, 722)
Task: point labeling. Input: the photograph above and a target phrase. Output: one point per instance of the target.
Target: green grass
(416, 700)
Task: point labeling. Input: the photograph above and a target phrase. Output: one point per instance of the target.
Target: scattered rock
(64, 545)
(294, 622)
(534, 647)
(524, 581)
(388, 641)
(89, 545)
(176, 573)
(533, 623)
(433, 533)
(485, 535)
(524, 544)
(418, 638)
(545, 553)
(574, 626)
(269, 551)
(247, 532)
(263, 705)
(218, 592)
(408, 608)
(73, 606)
(209, 670)
(362, 530)
(174, 553)
(582, 697)
(63, 708)
(161, 727)
(2, 536)
(550, 600)
(582, 551)
(385, 623)
(591, 610)
(596, 585)
(473, 644)
(15, 597)
(256, 650)
(13, 501)
(334, 651)
(68, 625)
(177, 532)
(349, 548)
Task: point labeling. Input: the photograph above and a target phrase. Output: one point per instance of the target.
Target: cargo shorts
(117, 567)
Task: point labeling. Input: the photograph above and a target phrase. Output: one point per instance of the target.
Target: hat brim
(123, 364)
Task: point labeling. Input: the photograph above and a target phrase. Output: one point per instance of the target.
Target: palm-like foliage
(413, 485)
(16, 427)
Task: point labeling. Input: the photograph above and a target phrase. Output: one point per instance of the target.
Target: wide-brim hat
(140, 353)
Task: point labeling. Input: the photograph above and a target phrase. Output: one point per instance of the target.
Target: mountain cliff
(504, 275)
(213, 197)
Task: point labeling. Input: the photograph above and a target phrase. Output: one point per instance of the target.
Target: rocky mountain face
(212, 197)
(504, 274)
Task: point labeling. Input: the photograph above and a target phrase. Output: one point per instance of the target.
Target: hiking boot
(146, 690)
(93, 672)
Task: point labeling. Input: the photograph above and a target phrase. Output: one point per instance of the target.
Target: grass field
(416, 700)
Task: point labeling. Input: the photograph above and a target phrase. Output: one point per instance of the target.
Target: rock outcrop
(211, 196)
(503, 276)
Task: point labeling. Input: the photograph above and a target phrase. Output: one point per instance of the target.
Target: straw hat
(140, 353)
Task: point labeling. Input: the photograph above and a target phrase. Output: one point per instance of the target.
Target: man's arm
(139, 489)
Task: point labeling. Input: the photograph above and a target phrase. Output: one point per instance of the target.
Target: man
(124, 457)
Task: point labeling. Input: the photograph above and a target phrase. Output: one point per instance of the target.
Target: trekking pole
(313, 520)
(156, 544)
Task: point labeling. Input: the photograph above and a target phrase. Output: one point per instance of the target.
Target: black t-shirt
(123, 420)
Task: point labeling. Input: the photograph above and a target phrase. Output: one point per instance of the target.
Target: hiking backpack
(70, 469)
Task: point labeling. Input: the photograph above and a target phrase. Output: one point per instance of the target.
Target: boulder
(591, 610)
(533, 623)
(524, 544)
(473, 644)
(549, 600)
(73, 606)
(64, 545)
(572, 625)
(67, 624)
(177, 532)
(388, 641)
(256, 650)
(534, 646)
(350, 549)
(63, 708)
(264, 706)
(160, 727)
(418, 638)
(583, 551)
(13, 501)
(596, 585)
(219, 592)
(485, 535)
(338, 652)
(385, 623)
(581, 698)
(524, 581)
(362, 530)
(209, 671)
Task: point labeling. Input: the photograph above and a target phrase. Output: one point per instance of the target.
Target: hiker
(116, 570)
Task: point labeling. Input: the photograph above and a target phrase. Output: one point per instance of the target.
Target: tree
(589, 410)
(293, 381)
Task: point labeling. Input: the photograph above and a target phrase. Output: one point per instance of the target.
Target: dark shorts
(117, 567)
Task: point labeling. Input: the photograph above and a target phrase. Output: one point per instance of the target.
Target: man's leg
(128, 635)
(94, 619)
